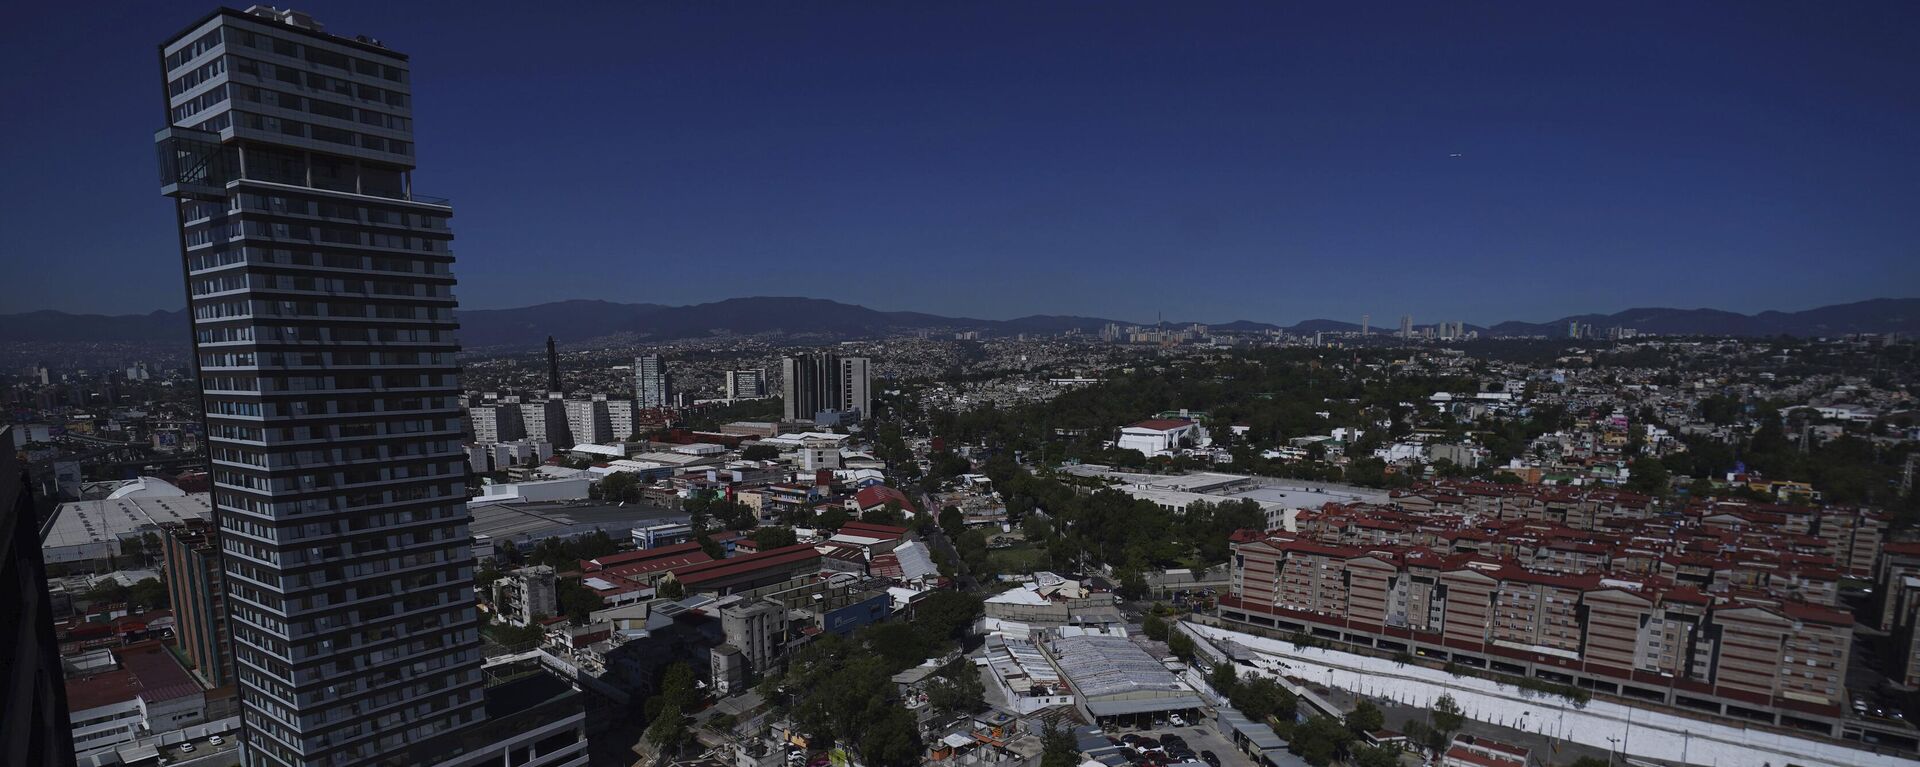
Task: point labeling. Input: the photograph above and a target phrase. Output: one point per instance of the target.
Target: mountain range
(582, 320)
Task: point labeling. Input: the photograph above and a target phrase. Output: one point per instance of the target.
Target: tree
(1057, 747)
(1261, 698)
(900, 644)
(958, 689)
(670, 588)
(1648, 475)
(773, 537)
(1180, 644)
(1447, 717)
(577, 602)
(1133, 585)
(1365, 718)
(952, 522)
(668, 729)
(1224, 679)
(1319, 740)
(678, 694)
(882, 515)
(1155, 628)
(618, 487)
(149, 593)
(831, 519)
(947, 615)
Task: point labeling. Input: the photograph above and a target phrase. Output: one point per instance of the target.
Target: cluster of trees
(1256, 697)
(563, 554)
(148, 594)
(840, 689)
(667, 712)
(1082, 529)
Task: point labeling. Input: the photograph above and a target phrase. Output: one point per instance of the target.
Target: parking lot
(205, 752)
(1200, 737)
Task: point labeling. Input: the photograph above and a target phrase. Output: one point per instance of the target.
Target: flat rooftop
(77, 523)
(546, 519)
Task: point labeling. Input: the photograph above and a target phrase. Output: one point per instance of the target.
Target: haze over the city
(1124, 160)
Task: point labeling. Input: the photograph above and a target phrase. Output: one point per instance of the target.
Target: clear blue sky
(1210, 160)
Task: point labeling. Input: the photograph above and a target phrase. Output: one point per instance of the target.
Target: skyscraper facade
(746, 384)
(321, 291)
(812, 383)
(651, 387)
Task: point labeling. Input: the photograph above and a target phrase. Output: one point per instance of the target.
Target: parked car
(1210, 758)
(1177, 720)
(187, 747)
(1170, 740)
(215, 740)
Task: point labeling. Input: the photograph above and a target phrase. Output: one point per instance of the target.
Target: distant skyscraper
(1406, 326)
(818, 382)
(651, 386)
(553, 367)
(321, 292)
(746, 384)
(1366, 320)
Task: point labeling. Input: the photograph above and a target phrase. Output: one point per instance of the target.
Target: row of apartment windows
(222, 283)
(193, 106)
(325, 107)
(249, 201)
(323, 56)
(200, 74)
(283, 257)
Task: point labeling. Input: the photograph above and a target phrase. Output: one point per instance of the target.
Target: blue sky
(1207, 161)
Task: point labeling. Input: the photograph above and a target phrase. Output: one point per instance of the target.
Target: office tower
(1366, 320)
(321, 290)
(198, 592)
(746, 384)
(33, 689)
(820, 382)
(651, 387)
(499, 422)
(588, 419)
(553, 367)
(1406, 326)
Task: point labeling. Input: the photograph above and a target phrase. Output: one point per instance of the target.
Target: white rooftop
(78, 523)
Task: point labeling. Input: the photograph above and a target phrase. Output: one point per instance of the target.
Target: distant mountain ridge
(581, 320)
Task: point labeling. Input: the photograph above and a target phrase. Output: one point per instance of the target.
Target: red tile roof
(722, 568)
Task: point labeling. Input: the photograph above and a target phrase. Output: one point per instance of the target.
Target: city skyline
(1723, 147)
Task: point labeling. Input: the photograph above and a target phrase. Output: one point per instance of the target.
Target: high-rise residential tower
(651, 387)
(321, 290)
(814, 383)
(746, 384)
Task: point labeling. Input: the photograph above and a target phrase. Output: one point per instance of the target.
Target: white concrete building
(1162, 436)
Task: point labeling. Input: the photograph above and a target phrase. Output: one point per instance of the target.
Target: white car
(1177, 720)
(186, 748)
(215, 740)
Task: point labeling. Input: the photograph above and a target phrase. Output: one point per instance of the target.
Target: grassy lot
(1020, 558)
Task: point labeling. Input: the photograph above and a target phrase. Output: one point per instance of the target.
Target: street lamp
(1613, 747)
